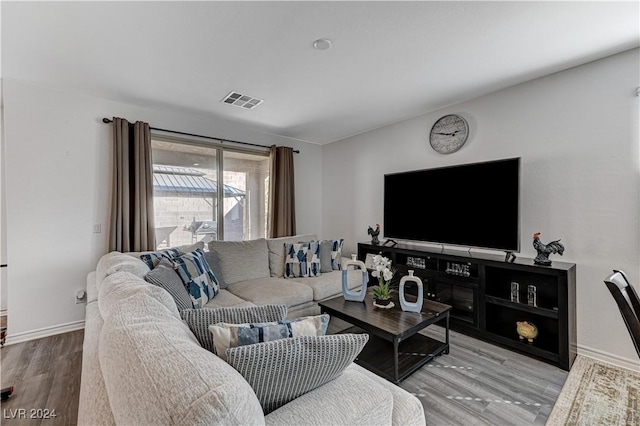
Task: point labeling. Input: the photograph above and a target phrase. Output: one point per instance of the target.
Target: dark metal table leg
(446, 337)
(396, 373)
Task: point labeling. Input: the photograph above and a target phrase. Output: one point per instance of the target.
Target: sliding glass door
(189, 204)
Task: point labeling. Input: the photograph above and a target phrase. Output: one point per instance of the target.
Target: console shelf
(522, 307)
(489, 295)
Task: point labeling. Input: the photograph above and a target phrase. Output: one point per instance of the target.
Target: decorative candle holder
(408, 306)
(354, 295)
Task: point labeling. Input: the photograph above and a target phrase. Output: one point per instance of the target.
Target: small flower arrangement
(382, 271)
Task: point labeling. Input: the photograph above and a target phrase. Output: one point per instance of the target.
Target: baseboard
(610, 358)
(43, 332)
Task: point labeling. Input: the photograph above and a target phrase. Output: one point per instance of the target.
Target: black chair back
(628, 302)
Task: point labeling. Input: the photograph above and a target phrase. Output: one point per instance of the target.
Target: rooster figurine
(544, 250)
(374, 234)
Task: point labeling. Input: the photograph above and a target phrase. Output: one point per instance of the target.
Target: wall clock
(449, 133)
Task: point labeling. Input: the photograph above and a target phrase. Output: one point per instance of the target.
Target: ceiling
(389, 61)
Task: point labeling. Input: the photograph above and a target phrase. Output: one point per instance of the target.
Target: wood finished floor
(475, 384)
(46, 375)
(478, 383)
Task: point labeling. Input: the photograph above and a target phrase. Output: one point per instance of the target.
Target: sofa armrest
(351, 399)
(92, 287)
(93, 404)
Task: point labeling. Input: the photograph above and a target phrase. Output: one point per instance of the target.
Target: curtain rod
(108, 120)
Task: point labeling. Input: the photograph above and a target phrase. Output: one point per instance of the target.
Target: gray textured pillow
(214, 263)
(242, 260)
(282, 370)
(199, 320)
(325, 256)
(163, 275)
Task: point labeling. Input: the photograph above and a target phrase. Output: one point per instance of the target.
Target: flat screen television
(471, 205)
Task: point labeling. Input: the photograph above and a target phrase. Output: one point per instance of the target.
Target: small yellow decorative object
(526, 330)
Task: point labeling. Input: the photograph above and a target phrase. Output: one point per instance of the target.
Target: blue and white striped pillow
(164, 276)
(197, 277)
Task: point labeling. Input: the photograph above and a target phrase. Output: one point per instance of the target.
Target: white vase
(354, 295)
(408, 306)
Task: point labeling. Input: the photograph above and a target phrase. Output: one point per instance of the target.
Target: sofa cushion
(302, 259)
(407, 408)
(156, 373)
(226, 299)
(115, 261)
(277, 253)
(197, 277)
(122, 285)
(213, 260)
(242, 260)
(330, 284)
(272, 291)
(199, 320)
(152, 258)
(164, 276)
(282, 370)
(354, 399)
(227, 335)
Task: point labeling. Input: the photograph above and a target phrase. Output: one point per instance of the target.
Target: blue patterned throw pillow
(152, 258)
(197, 277)
(336, 254)
(302, 259)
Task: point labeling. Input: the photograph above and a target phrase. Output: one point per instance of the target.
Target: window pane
(185, 193)
(246, 195)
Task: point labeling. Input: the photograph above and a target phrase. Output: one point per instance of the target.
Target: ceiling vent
(241, 101)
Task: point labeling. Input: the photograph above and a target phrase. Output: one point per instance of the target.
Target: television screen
(470, 205)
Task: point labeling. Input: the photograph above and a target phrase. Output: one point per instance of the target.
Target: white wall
(577, 133)
(58, 156)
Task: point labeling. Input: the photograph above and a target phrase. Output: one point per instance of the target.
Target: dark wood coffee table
(395, 349)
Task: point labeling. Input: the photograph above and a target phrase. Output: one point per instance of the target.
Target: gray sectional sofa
(143, 365)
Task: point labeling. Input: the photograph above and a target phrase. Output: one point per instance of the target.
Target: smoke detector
(241, 101)
(322, 44)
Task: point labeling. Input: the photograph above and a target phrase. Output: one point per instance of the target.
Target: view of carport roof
(172, 181)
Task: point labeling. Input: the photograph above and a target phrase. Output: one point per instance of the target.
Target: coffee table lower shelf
(414, 352)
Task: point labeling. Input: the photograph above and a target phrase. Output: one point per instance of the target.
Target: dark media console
(488, 296)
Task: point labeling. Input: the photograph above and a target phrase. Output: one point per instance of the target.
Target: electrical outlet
(81, 297)
(97, 228)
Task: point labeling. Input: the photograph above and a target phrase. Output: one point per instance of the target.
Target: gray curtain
(282, 204)
(131, 224)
